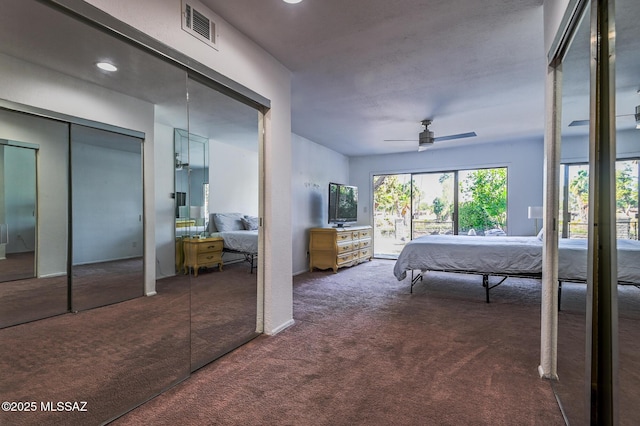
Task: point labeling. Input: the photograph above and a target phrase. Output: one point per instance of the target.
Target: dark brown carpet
(117, 356)
(364, 351)
(104, 283)
(111, 357)
(571, 354)
(223, 311)
(17, 266)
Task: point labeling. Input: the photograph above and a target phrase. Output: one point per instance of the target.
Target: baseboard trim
(281, 327)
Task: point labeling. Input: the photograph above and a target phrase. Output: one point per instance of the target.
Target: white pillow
(225, 222)
(250, 223)
(540, 235)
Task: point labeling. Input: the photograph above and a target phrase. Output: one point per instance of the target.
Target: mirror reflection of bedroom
(93, 292)
(216, 181)
(574, 214)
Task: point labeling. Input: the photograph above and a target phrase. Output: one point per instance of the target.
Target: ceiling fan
(426, 138)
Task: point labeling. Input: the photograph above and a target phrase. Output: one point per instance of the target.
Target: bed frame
(488, 286)
(503, 277)
(250, 258)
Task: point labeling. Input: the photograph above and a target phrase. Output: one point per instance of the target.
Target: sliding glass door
(391, 214)
(433, 204)
(407, 206)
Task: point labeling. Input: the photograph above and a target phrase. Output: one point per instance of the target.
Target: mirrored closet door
(221, 242)
(34, 189)
(116, 314)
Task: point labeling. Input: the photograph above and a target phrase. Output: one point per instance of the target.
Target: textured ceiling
(362, 70)
(368, 70)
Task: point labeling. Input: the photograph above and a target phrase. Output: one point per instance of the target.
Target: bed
(240, 234)
(506, 257)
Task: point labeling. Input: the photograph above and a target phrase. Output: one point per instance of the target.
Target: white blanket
(508, 255)
(243, 241)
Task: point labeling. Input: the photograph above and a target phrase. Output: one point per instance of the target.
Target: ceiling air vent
(198, 21)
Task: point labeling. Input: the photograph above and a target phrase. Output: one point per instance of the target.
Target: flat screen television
(343, 204)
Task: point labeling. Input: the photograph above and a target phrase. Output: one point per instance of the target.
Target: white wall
(243, 61)
(233, 179)
(523, 160)
(576, 149)
(314, 166)
(106, 202)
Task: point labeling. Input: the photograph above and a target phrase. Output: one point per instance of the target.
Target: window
(574, 199)
(407, 206)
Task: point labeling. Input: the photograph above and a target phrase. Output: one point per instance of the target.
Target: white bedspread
(572, 260)
(244, 241)
(507, 255)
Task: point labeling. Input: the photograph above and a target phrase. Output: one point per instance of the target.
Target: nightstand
(202, 252)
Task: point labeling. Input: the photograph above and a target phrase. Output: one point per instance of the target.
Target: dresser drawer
(365, 233)
(210, 247)
(204, 258)
(365, 243)
(345, 247)
(347, 258)
(344, 236)
(365, 253)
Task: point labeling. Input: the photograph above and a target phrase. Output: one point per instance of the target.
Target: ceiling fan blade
(576, 123)
(458, 136)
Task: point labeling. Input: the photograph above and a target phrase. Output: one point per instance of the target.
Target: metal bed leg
(485, 284)
(414, 280)
(488, 287)
(559, 296)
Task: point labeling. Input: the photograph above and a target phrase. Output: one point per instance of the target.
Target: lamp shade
(196, 212)
(535, 212)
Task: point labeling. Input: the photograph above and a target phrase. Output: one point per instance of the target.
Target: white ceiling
(369, 70)
(362, 70)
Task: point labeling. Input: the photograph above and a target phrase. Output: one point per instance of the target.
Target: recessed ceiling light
(292, 1)
(107, 66)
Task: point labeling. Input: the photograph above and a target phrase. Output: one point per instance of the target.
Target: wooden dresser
(333, 248)
(200, 253)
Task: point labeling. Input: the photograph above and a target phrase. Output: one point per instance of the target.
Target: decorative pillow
(227, 222)
(496, 232)
(212, 224)
(541, 235)
(250, 223)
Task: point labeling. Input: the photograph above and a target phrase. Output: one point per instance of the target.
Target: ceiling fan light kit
(426, 138)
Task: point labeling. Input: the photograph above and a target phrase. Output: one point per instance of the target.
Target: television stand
(334, 248)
